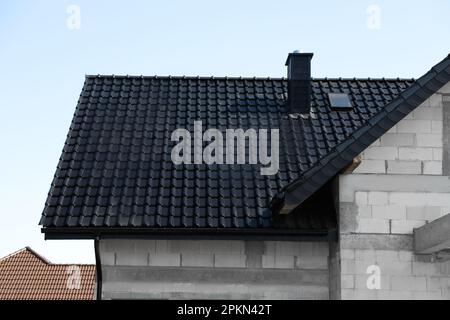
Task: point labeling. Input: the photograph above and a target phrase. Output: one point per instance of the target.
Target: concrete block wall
(377, 214)
(403, 275)
(402, 183)
(397, 212)
(173, 269)
(412, 146)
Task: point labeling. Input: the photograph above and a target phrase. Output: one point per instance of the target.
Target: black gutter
(187, 233)
(299, 190)
(98, 268)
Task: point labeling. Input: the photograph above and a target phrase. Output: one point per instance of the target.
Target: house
(350, 212)
(26, 275)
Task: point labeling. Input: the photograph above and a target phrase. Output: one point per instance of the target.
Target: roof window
(339, 101)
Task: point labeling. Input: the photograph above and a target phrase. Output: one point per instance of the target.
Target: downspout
(98, 268)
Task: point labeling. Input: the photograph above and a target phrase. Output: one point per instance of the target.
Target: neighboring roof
(25, 275)
(116, 173)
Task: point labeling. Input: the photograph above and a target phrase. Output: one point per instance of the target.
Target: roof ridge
(39, 256)
(197, 77)
(361, 79)
(12, 254)
(27, 248)
(43, 259)
(268, 78)
(73, 264)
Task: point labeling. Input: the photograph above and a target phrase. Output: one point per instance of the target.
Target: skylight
(339, 101)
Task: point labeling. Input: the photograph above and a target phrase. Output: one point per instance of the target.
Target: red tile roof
(27, 275)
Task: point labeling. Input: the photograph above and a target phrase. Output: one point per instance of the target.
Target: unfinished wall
(202, 269)
(401, 184)
(413, 146)
(377, 217)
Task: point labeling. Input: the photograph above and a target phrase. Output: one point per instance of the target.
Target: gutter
(187, 233)
(98, 268)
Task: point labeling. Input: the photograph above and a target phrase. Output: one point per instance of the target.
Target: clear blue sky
(43, 63)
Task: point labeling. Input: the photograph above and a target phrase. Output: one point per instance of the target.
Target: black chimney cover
(299, 82)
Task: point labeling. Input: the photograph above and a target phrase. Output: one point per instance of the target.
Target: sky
(47, 47)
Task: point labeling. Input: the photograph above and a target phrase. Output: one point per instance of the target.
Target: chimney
(299, 82)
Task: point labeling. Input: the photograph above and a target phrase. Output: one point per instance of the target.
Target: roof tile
(116, 169)
(25, 275)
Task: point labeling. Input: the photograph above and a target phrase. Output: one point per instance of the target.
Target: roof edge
(292, 195)
(260, 78)
(27, 248)
(184, 233)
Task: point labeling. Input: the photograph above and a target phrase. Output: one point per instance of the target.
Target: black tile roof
(115, 170)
